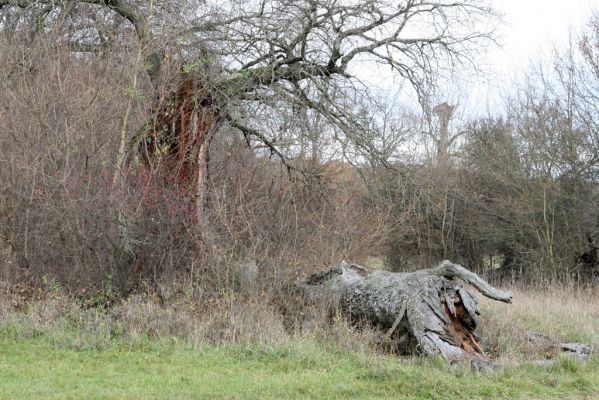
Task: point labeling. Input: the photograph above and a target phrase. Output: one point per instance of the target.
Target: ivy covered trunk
(175, 146)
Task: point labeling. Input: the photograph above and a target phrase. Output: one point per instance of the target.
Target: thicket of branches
(518, 201)
(232, 146)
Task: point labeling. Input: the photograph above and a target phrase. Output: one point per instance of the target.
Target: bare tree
(289, 47)
(444, 111)
(268, 56)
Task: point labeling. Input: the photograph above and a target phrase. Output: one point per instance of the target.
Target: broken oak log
(428, 305)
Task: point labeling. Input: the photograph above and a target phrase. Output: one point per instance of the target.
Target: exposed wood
(450, 271)
(429, 305)
(548, 345)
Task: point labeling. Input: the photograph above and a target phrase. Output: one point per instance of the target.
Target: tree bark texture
(430, 306)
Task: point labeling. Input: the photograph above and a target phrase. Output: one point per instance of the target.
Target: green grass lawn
(39, 368)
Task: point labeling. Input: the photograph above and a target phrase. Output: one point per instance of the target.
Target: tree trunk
(429, 305)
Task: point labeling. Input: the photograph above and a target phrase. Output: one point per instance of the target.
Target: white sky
(532, 29)
(532, 26)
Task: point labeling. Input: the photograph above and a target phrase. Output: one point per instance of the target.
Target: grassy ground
(57, 350)
(37, 368)
(566, 316)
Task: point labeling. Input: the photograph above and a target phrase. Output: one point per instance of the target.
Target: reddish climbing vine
(175, 146)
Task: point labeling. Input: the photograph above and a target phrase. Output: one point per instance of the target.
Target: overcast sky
(532, 28)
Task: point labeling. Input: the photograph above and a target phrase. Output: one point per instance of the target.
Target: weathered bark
(428, 305)
(546, 344)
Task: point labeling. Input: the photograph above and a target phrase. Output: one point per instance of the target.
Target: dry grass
(227, 347)
(225, 320)
(563, 315)
(138, 319)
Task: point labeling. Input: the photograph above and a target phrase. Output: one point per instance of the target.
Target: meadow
(57, 349)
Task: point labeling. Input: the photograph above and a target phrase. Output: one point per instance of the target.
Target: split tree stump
(428, 306)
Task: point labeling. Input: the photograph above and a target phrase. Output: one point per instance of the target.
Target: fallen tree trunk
(546, 345)
(428, 306)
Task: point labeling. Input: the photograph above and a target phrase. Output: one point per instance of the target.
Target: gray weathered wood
(546, 344)
(430, 305)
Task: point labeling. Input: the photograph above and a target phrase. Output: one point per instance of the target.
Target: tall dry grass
(226, 319)
(562, 315)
